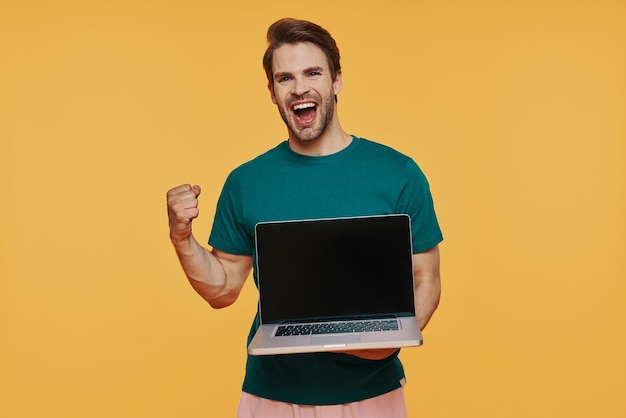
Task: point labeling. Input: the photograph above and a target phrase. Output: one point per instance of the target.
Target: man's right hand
(182, 209)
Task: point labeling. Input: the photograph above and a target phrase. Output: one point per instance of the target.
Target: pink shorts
(388, 405)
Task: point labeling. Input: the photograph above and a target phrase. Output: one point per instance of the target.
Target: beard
(310, 133)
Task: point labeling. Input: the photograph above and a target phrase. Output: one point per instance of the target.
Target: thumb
(196, 189)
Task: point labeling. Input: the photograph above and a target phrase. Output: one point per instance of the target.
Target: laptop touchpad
(336, 339)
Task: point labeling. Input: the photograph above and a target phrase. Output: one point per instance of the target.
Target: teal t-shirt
(365, 178)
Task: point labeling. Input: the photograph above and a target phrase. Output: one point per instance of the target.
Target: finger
(178, 190)
(187, 215)
(185, 203)
(184, 193)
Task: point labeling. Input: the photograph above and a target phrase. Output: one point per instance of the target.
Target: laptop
(335, 285)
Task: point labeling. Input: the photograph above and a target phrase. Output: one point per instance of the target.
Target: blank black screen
(335, 267)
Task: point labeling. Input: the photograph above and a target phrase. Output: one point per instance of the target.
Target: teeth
(303, 106)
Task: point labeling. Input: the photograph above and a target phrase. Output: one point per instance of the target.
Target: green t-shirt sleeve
(229, 233)
(415, 199)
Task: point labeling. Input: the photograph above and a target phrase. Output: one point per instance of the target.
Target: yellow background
(515, 110)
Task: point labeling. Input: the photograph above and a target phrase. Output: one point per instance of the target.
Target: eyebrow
(306, 70)
(281, 75)
(316, 69)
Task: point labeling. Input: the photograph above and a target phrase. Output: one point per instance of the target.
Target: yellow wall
(515, 110)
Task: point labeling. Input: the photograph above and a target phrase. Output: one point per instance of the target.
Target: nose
(300, 87)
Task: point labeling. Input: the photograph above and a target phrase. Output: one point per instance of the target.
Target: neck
(333, 140)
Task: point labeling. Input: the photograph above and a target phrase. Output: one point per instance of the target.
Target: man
(319, 172)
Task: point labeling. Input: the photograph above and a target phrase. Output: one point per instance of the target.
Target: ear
(338, 83)
(270, 87)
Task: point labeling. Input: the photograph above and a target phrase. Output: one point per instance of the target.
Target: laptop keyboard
(337, 327)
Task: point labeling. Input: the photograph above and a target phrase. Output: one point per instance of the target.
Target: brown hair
(291, 31)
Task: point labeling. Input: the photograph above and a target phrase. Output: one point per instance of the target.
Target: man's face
(304, 90)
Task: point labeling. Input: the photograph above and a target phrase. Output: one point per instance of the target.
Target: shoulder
(392, 162)
(383, 156)
(265, 160)
(380, 150)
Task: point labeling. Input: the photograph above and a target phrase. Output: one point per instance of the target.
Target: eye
(283, 79)
(314, 74)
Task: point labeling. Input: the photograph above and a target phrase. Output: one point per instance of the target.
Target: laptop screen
(315, 269)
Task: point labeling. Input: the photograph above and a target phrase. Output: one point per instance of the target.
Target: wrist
(182, 245)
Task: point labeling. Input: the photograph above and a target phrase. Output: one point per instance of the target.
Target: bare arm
(217, 276)
(427, 284)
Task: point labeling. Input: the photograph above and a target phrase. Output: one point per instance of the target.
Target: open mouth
(305, 112)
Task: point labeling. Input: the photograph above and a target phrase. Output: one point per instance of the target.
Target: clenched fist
(182, 209)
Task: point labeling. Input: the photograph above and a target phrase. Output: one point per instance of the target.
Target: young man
(319, 172)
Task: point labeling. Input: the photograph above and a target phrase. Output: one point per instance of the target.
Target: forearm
(427, 295)
(199, 264)
(427, 283)
(204, 271)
